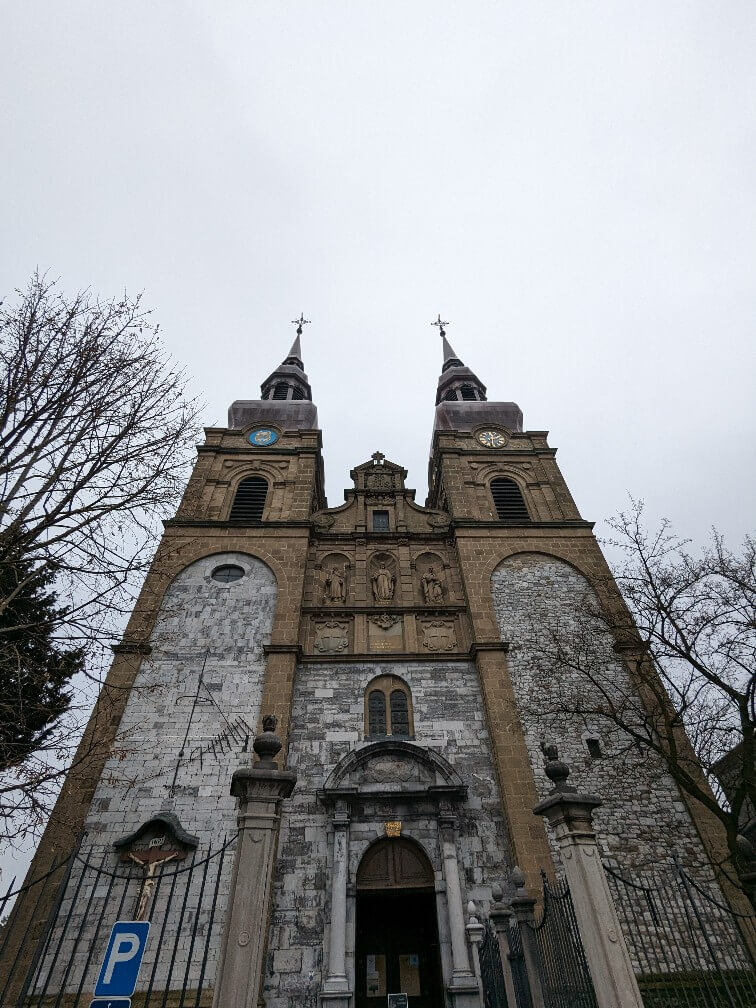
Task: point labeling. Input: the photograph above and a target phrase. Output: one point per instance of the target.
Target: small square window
(594, 748)
(380, 521)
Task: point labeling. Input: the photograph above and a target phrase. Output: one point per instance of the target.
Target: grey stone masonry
(643, 816)
(205, 629)
(328, 724)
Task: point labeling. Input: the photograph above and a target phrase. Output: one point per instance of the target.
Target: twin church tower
(382, 658)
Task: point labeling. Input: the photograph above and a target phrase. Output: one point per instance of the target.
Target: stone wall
(643, 818)
(327, 724)
(204, 628)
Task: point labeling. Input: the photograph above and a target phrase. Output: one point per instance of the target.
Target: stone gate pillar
(500, 915)
(260, 790)
(570, 816)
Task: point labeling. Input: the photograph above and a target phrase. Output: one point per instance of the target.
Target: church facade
(392, 644)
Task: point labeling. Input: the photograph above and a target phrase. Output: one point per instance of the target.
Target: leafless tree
(690, 643)
(95, 436)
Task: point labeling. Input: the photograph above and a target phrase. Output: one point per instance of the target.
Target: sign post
(120, 967)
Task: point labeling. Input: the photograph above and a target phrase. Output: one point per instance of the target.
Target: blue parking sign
(123, 957)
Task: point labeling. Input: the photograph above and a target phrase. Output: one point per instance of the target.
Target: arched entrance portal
(397, 949)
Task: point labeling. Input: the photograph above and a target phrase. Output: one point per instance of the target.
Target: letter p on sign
(120, 967)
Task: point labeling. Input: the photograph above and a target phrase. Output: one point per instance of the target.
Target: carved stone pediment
(394, 769)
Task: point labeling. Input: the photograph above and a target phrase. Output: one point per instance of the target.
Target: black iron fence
(562, 978)
(56, 966)
(565, 977)
(688, 948)
(517, 965)
(491, 972)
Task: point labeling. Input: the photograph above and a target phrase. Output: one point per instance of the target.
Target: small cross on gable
(378, 458)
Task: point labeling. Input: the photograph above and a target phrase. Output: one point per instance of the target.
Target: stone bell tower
(527, 561)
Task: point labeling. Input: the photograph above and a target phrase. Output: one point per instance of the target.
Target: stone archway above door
(395, 864)
(393, 770)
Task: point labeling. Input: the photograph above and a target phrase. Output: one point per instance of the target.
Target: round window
(227, 573)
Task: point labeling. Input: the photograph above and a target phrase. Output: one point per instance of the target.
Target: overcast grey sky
(571, 185)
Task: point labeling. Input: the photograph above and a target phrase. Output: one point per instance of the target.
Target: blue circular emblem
(263, 437)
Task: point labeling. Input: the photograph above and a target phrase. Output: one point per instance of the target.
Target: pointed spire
(289, 380)
(447, 348)
(450, 357)
(457, 382)
(296, 350)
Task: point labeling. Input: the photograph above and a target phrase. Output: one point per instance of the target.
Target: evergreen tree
(35, 668)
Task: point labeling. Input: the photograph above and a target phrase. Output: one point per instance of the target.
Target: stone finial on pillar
(260, 790)
(475, 931)
(570, 814)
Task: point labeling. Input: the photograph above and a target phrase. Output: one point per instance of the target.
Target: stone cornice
(386, 656)
(295, 649)
(243, 526)
(502, 646)
(567, 523)
(132, 647)
(418, 610)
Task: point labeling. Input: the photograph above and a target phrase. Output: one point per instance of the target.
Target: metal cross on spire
(301, 321)
(440, 324)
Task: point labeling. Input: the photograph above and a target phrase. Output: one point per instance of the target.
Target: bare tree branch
(96, 435)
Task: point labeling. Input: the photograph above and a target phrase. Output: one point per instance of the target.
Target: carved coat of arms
(439, 636)
(331, 637)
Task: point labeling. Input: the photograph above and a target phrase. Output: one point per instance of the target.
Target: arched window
(249, 501)
(450, 395)
(281, 390)
(376, 712)
(399, 713)
(297, 393)
(388, 708)
(507, 498)
(468, 392)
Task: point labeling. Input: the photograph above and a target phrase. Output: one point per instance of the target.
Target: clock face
(262, 437)
(491, 439)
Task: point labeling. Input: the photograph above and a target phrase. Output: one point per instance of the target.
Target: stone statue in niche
(334, 586)
(383, 584)
(433, 588)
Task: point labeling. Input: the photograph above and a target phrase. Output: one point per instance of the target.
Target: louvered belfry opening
(249, 501)
(507, 497)
(280, 390)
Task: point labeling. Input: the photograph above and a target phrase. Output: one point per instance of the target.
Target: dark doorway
(397, 950)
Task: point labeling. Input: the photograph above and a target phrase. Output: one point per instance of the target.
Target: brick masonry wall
(327, 724)
(201, 622)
